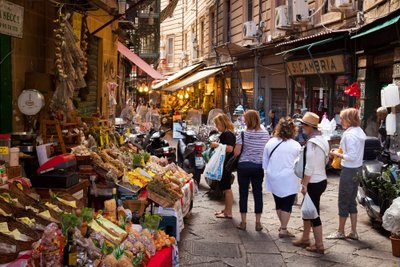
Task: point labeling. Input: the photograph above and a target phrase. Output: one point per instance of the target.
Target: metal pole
(255, 80)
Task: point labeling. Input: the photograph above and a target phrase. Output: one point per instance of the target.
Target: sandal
(219, 212)
(242, 226)
(316, 249)
(283, 233)
(353, 236)
(259, 227)
(336, 235)
(223, 216)
(301, 243)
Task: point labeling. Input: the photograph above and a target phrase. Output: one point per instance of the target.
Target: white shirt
(352, 143)
(279, 169)
(315, 162)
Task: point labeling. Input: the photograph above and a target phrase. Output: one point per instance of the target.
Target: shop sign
(11, 19)
(322, 65)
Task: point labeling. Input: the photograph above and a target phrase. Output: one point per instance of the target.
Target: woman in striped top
(250, 170)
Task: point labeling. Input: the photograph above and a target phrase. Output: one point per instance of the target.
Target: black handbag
(232, 163)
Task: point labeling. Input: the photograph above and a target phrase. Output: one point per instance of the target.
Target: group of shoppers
(272, 158)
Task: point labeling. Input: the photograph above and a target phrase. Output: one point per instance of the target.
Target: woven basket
(23, 198)
(160, 200)
(83, 160)
(8, 257)
(18, 213)
(23, 229)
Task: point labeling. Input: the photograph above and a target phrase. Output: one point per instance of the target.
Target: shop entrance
(279, 101)
(5, 85)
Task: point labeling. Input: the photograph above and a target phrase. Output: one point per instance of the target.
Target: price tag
(101, 141)
(4, 150)
(128, 131)
(4, 228)
(107, 139)
(121, 139)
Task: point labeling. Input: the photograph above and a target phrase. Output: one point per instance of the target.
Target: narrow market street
(208, 241)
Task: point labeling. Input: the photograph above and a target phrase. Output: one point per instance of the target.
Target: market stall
(145, 191)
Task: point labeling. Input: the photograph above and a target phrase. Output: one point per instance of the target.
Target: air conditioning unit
(300, 11)
(249, 30)
(163, 55)
(281, 17)
(343, 4)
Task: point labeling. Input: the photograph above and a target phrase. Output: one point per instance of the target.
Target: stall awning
(231, 49)
(308, 46)
(135, 59)
(192, 79)
(177, 75)
(378, 27)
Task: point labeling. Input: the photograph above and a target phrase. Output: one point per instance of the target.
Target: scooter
(157, 146)
(377, 178)
(189, 155)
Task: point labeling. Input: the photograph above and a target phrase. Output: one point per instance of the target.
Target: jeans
(249, 172)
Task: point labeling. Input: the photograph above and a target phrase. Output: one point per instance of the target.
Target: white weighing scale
(30, 102)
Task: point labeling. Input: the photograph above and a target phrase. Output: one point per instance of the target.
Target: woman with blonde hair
(279, 158)
(249, 168)
(227, 137)
(352, 144)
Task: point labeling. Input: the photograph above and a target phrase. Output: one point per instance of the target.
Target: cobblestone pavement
(207, 241)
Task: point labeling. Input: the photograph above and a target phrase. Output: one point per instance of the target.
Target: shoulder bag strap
(273, 150)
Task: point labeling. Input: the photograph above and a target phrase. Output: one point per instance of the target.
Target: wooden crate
(13, 172)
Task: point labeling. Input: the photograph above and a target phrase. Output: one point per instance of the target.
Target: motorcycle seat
(372, 168)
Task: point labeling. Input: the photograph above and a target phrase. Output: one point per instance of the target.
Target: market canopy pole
(118, 16)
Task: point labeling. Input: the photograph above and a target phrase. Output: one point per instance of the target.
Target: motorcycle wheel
(197, 175)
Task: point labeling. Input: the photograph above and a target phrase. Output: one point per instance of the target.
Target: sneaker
(353, 236)
(336, 235)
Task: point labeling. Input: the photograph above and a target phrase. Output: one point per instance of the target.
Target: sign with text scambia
(322, 65)
(11, 19)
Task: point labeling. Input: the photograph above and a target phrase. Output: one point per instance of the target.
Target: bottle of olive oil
(70, 251)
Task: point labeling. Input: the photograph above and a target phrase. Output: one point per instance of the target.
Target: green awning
(309, 46)
(378, 27)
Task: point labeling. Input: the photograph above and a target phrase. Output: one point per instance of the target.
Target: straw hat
(310, 119)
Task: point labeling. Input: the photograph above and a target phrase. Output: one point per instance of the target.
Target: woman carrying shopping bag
(227, 137)
(352, 144)
(314, 180)
(249, 168)
(279, 157)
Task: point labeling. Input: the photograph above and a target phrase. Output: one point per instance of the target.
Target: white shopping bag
(215, 165)
(308, 209)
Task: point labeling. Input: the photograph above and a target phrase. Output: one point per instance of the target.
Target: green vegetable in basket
(151, 221)
(87, 214)
(146, 156)
(137, 160)
(68, 221)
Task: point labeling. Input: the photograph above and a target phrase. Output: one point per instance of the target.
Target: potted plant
(391, 222)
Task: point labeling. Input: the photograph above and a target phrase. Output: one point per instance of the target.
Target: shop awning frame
(385, 24)
(231, 49)
(309, 46)
(140, 63)
(192, 79)
(177, 75)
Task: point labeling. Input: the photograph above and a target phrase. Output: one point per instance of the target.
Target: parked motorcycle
(157, 146)
(189, 156)
(379, 174)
